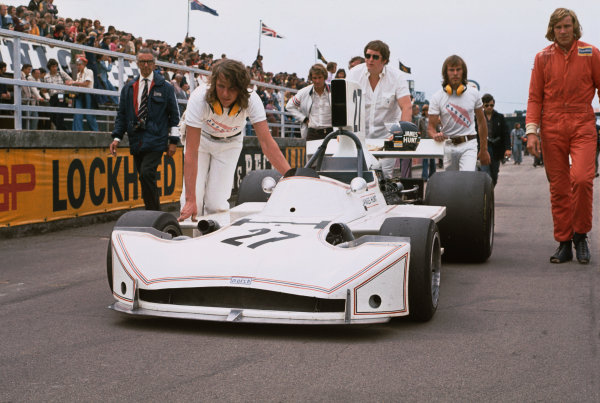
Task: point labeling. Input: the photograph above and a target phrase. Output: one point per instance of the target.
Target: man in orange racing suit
(564, 80)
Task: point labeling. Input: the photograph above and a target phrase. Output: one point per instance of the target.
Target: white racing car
(322, 245)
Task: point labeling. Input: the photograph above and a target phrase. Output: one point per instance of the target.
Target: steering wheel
(317, 158)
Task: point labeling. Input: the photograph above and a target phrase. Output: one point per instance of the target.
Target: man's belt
(462, 139)
(223, 138)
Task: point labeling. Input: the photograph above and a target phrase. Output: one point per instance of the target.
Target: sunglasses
(486, 105)
(369, 56)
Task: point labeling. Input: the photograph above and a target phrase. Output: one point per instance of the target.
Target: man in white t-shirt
(215, 121)
(452, 112)
(385, 94)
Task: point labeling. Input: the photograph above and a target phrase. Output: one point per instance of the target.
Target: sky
(497, 40)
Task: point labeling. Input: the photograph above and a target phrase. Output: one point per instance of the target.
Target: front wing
(372, 292)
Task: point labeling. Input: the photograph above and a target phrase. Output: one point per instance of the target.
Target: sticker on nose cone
(241, 280)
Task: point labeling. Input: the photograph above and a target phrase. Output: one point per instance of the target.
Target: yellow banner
(38, 185)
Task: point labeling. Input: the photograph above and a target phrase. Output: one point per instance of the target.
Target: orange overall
(560, 95)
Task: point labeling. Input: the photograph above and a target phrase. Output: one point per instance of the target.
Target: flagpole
(187, 34)
(259, 34)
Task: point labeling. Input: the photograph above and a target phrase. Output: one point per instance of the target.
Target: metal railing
(287, 128)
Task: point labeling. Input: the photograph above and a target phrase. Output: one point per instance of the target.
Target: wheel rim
(436, 265)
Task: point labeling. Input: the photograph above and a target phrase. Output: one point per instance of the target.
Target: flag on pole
(266, 31)
(196, 5)
(320, 56)
(404, 68)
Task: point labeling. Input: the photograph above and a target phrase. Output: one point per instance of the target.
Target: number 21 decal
(235, 241)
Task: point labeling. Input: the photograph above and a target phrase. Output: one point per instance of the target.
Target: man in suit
(148, 113)
(498, 138)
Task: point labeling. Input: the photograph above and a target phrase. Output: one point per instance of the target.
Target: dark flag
(196, 5)
(320, 56)
(404, 68)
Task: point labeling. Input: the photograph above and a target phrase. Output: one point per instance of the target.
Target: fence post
(16, 57)
(121, 73)
(282, 105)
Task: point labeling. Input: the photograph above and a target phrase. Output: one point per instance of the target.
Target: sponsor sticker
(241, 280)
(584, 50)
(369, 200)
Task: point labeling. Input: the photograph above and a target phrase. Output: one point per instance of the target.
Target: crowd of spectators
(42, 18)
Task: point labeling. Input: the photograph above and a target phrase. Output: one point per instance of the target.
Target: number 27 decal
(235, 241)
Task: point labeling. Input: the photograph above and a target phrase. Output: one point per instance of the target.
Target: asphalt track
(514, 329)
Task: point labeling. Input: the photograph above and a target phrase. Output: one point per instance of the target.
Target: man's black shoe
(564, 253)
(582, 251)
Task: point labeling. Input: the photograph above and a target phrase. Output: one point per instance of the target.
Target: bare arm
(484, 155)
(434, 122)
(269, 147)
(406, 107)
(190, 169)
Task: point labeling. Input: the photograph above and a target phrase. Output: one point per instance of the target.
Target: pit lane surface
(516, 328)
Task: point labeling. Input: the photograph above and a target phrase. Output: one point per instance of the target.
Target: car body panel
(280, 248)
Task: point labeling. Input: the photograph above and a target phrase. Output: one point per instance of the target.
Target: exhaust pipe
(339, 233)
(207, 226)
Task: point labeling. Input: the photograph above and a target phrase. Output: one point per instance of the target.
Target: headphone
(461, 88)
(217, 108)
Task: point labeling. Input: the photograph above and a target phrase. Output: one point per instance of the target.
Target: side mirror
(358, 185)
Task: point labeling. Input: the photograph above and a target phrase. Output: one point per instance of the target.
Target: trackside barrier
(52, 179)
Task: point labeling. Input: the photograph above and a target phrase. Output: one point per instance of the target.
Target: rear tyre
(467, 231)
(425, 263)
(251, 186)
(159, 220)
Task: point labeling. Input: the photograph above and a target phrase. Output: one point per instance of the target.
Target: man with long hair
(564, 80)
(452, 112)
(215, 121)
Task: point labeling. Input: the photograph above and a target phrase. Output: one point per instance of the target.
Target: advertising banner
(47, 184)
(38, 185)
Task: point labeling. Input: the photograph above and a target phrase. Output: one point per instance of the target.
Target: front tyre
(164, 222)
(425, 263)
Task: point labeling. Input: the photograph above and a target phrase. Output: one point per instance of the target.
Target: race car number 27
(242, 239)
